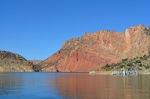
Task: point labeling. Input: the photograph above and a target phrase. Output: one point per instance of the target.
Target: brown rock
(98, 49)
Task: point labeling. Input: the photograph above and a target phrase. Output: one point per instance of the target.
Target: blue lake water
(73, 86)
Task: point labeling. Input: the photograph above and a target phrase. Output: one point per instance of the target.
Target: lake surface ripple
(73, 86)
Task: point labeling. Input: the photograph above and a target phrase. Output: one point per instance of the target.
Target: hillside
(135, 66)
(98, 49)
(11, 62)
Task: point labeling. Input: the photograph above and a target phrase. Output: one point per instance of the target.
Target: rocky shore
(120, 72)
(129, 71)
(135, 66)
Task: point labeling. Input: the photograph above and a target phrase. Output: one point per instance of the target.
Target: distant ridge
(35, 61)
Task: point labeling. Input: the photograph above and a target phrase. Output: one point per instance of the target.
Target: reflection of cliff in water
(9, 83)
(76, 86)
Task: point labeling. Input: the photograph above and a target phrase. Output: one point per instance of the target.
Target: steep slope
(10, 62)
(98, 49)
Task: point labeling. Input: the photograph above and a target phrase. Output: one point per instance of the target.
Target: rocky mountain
(11, 62)
(98, 49)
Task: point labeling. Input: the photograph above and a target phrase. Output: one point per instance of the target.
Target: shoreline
(111, 73)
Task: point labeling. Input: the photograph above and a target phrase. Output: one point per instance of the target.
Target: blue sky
(37, 29)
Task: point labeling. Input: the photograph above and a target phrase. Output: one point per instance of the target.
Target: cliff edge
(98, 49)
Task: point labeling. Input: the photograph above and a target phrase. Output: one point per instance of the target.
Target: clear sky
(37, 29)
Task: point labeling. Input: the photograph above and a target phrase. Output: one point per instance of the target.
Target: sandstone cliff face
(98, 49)
(10, 62)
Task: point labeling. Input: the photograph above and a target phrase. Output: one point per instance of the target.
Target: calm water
(73, 86)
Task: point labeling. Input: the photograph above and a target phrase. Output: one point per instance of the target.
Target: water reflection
(8, 84)
(27, 86)
(73, 86)
(76, 86)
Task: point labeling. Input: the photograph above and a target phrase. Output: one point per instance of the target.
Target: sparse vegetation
(124, 60)
(146, 67)
(107, 67)
(139, 63)
(122, 65)
(129, 64)
(147, 31)
(10, 62)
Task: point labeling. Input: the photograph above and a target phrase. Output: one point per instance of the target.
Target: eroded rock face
(98, 49)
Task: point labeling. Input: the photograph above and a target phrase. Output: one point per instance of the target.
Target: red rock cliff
(98, 49)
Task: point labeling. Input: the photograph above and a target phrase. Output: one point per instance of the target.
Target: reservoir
(39, 85)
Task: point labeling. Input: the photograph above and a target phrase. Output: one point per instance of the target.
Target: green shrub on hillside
(140, 65)
(147, 31)
(141, 57)
(138, 61)
(107, 67)
(124, 60)
(145, 57)
(122, 65)
(129, 64)
(146, 67)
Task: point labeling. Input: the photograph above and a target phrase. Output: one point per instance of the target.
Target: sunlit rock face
(98, 49)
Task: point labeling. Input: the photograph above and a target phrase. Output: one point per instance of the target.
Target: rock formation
(98, 49)
(10, 62)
